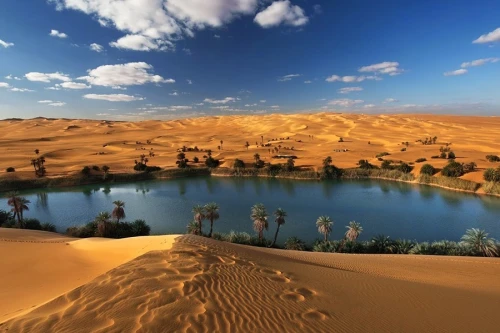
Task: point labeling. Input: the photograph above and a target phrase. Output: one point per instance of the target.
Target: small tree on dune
(324, 224)
(19, 205)
(105, 169)
(280, 215)
(247, 145)
(119, 211)
(211, 214)
(103, 223)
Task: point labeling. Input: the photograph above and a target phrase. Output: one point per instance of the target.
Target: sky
(167, 59)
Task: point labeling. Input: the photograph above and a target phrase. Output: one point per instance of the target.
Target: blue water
(398, 210)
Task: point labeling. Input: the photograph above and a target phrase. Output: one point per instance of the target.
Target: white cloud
(10, 77)
(187, 51)
(345, 102)
(96, 47)
(47, 77)
(134, 73)
(349, 90)
(189, 81)
(159, 21)
(103, 114)
(288, 77)
(222, 107)
(74, 85)
(114, 97)
(479, 62)
(456, 72)
(368, 106)
(175, 93)
(351, 78)
(390, 100)
(21, 90)
(4, 85)
(317, 9)
(263, 101)
(142, 43)
(181, 107)
(281, 12)
(118, 88)
(216, 36)
(57, 104)
(56, 87)
(387, 67)
(46, 101)
(6, 44)
(56, 33)
(220, 101)
(200, 104)
(250, 105)
(275, 107)
(307, 82)
(490, 37)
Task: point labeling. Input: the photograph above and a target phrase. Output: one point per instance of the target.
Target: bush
(386, 165)
(427, 169)
(451, 182)
(451, 155)
(152, 168)
(238, 164)
(453, 169)
(420, 160)
(404, 168)
(88, 230)
(32, 224)
(96, 168)
(442, 155)
(328, 246)
(493, 158)
(403, 149)
(196, 159)
(48, 227)
(10, 169)
(402, 246)
(364, 164)
(491, 175)
(212, 162)
(140, 228)
(435, 156)
(259, 164)
(381, 244)
(115, 230)
(294, 243)
(382, 154)
(86, 170)
(469, 167)
(5, 216)
(491, 187)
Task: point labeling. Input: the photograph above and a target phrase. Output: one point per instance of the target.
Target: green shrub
(381, 244)
(451, 155)
(48, 227)
(294, 243)
(451, 182)
(491, 175)
(152, 169)
(196, 159)
(96, 168)
(386, 165)
(32, 224)
(404, 168)
(239, 237)
(403, 149)
(238, 164)
(453, 169)
(140, 228)
(86, 170)
(420, 160)
(491, 187)
(212, 162)
(469, 167)
(427, 169)
(382, 154)
(114, 230)
(493, 158)
(5, 216)
(10, 169)
(364, 164)
(328, 246)
(402, 246)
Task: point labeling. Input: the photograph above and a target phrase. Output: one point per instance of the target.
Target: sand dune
(201, 285)
(472, 138)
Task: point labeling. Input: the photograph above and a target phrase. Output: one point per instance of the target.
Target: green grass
(377, 173)
(450, 182)
(491, 187)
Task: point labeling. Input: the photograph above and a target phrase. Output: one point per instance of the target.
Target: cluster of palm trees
(103, 219)
(209, 212)
(19, 205)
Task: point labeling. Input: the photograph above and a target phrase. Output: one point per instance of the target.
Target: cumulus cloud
(45, 101)
(390, 100)
(349, 90)
(154, 22)
(114, 97)
(287, 77)
(387, 67)
(250, 105)
(189, 82)
(368, 106)
(281, 12)
(455, 72)
(479, 62)
(56, 33)
(10, 77)
(307, 82)
(47, 77)
(21, 90)
(220, 101)
(490, 37)
(345, 102)
(175, 93)
(351, 78)
(74, 85)
(216, 36)
(275, 106)
(4, 85)
(57, 104)
(222, 107)
(6, 44)
(96, 47)
(133, 73)
(263, 101)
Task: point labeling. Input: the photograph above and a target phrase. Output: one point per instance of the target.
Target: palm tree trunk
(211, 228)
(276, 235)
(199, 228)
(326, 236)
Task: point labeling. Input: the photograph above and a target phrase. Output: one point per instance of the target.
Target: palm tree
(19, 205)
(211, 214)
(256, 157)
(192, 228)
(103, 223)
(280, 219)
(118, 212)
(105, 168)
(354, 229)
(259, 218)
(479, 241)
(199, 216)
(324, 224)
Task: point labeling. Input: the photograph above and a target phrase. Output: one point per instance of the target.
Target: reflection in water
(106, 190)
(210, 185)
(451, 198)
(327, 187)
(384, 187)
(289, 188)
(426, 192)
(142, 188)
(182, 187)
(87, 192)
(42, 199)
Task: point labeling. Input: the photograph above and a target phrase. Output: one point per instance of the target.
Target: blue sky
(162, 59)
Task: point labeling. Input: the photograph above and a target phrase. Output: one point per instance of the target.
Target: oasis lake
(398, 210)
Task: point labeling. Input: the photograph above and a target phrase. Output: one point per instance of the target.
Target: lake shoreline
(16, 184)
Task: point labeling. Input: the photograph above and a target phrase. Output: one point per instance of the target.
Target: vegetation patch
(450, 182)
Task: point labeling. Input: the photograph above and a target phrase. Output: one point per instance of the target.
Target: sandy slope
(68, 145)
(200, 285)
(37, 266)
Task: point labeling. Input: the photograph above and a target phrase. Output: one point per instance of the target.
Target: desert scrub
(491, 187)
(450, 182)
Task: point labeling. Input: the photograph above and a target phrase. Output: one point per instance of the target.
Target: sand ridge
(202, 285)
(70, 144)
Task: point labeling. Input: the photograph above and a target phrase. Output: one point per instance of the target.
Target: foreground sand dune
(201, 285)
(70, 144)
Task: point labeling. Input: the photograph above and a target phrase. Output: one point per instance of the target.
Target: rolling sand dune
(92, 142)
(201, 285)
